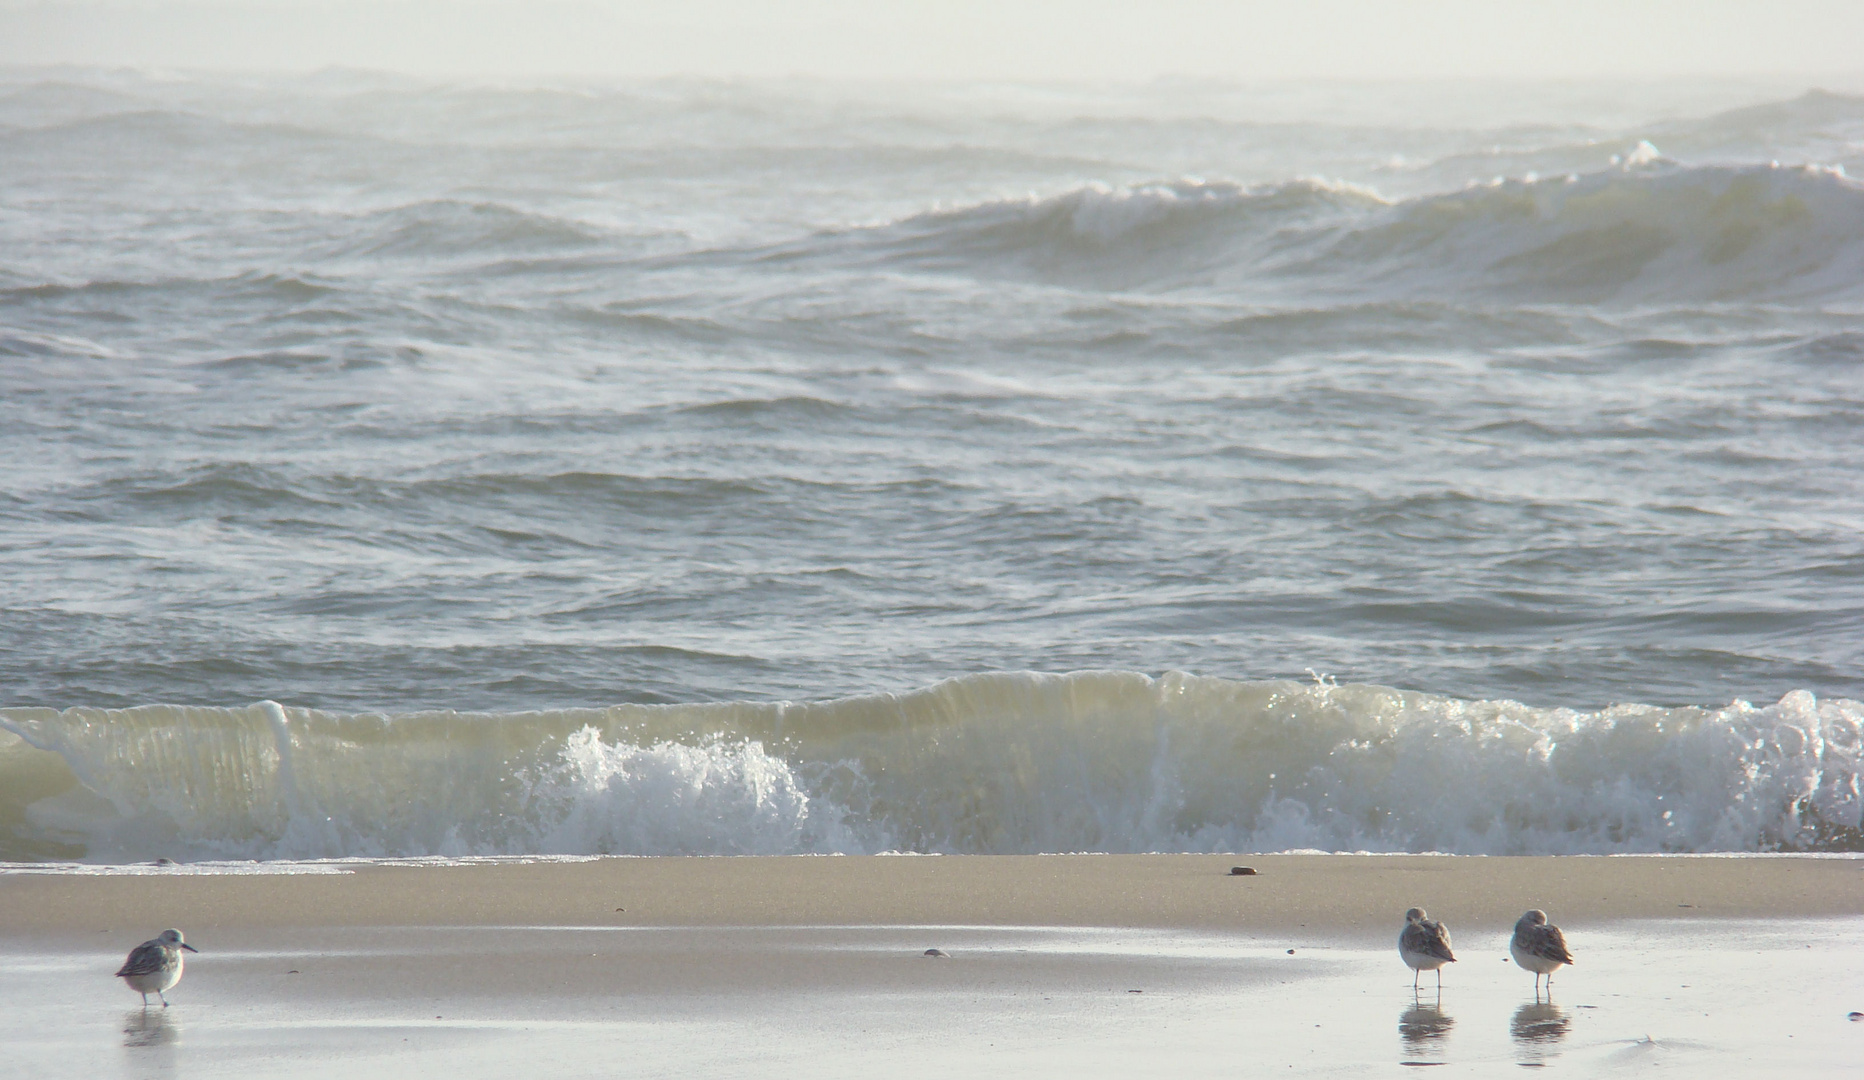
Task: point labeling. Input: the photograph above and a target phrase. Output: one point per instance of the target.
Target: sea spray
(674, 798)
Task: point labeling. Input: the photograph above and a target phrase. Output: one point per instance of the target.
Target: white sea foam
(1094, 761)
(672, 798)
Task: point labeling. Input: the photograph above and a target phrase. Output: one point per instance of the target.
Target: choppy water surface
(368, 396)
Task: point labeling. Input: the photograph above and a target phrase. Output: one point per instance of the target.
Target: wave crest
(672, 798)
(1646, 230)
(450, 228)
(1651, 230)
(1160, 233)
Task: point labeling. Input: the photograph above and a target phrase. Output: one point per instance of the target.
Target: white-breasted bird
(1425, 945)
(1539, 947)
(155, 965)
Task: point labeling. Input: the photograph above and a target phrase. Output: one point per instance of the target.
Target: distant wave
(1015, 762)
(156, 131)
(252, 286)
(446, 228)
(1649, 230)
(1725, 227)
(1652, 231)
(1816, 117)
(1152, 235)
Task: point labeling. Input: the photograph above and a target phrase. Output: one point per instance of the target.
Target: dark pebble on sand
(1242, 871)
(1856, 1016)
(1290, 952)
(937, 952)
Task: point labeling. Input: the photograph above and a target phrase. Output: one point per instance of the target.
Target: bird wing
(1440, 941)
(145, 959)
(1552, 945)
(1433, 939)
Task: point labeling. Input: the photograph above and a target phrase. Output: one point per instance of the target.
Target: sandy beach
(1099, 965)
(1335, 894)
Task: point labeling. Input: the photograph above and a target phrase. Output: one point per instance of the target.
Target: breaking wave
(1000, 763)
(1647, 230)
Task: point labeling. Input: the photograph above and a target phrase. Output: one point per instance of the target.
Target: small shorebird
(1538, 947)
(1425, 945)
(155, 965)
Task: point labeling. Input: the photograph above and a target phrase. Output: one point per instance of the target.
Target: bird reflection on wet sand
(1422, 1027)
(1537, 1028)
(143, 1028)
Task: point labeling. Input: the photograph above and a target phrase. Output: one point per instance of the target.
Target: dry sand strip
(1287, 892)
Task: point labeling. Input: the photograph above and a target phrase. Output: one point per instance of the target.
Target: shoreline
(1332, 893)
(1088, 965)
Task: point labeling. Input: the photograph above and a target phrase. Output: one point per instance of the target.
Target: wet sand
(815, 966)
(1337, 893)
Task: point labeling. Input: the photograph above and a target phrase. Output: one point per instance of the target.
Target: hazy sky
(968, 39)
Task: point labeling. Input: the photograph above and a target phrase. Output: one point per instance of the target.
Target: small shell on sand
(937, 952)
(1242, 871)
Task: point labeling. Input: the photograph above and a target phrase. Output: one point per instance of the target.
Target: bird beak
(190, 948)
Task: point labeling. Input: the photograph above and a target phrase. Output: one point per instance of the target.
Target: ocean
(409, 468)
